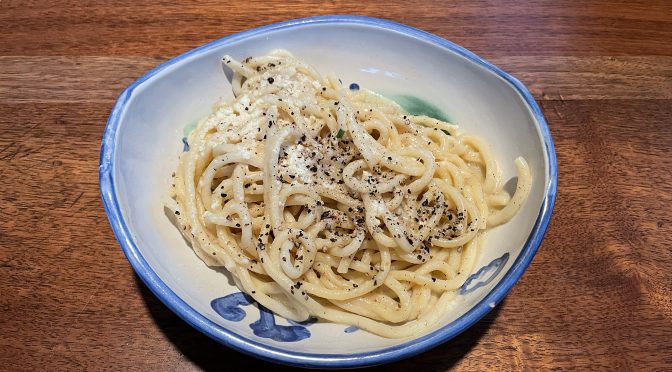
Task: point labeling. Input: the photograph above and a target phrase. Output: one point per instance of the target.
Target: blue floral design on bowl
(230, 308)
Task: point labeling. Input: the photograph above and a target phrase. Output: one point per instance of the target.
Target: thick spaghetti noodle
(336, 203)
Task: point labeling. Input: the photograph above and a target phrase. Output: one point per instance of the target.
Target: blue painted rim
(288, 356)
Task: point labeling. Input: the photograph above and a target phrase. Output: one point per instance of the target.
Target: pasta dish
(333, 202)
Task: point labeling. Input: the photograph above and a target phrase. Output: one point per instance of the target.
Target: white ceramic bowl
(142, 141)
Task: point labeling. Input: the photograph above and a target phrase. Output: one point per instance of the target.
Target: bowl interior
(153, 121)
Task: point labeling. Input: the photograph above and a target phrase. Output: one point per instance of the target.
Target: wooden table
(597, 295)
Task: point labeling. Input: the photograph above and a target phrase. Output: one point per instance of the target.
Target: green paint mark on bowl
(189, 128)
(418, 106)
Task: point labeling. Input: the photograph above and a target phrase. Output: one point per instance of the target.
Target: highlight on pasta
(336, 203)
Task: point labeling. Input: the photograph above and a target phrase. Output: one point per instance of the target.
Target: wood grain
(167, 28)
(598, 295)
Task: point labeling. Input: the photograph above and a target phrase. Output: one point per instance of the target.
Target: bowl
(424, 72)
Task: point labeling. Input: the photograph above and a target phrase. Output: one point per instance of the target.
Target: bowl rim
(288, 356)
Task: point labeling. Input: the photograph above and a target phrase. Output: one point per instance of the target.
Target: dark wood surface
(598, 295)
